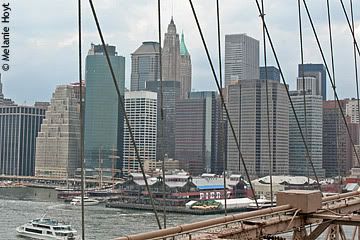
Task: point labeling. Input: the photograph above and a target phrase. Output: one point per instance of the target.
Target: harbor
(101, 223)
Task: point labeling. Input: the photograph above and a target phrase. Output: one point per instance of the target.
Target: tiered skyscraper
(58, 142)
(145, 65)
(141, 108)
(176, 60)
(241, 58)
(104, 121)
(171, 54)
(248, 112)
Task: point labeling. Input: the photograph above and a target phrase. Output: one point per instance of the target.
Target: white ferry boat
(47, 229)
(87, 201)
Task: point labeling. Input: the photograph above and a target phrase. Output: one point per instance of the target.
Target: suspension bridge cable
(355, 63)
(302, 74)
(262, 15)
(81, 126)
(333, 75)
(330, 78)
(122, 105)
(222, 98)
(221, 108)
(288, 94)
(161, 115)
(351, 28)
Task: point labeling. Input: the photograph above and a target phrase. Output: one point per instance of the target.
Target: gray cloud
(44, 38)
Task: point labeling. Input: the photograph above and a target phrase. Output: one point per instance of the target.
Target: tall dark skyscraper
(145, 65)
(196, 132)
(171, 94)
(19, 126)
(337, 148)
(104, 121)
(317, 71)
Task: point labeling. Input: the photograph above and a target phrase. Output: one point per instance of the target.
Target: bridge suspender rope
(81, 127)
(288, 94)
(122, 105)
(162, 154)
(222, 133)
(355, 61)
(262, 15)
(303, 82)
(222, 99)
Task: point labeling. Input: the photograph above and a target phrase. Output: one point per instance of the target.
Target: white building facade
(58, 142)
(141, 108)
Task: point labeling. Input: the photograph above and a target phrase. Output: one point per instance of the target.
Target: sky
(44, 38)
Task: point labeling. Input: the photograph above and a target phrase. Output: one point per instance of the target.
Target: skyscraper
(145, 65)
(272, 73)
(104, 122)
(196, 132)
(241, 58)
(352, 110)
(337, 147)
(310, 85)
(19, 126)
(171, 94)
(58, 142)
(185, 69)
(298, 163)
(141, 108)
(317, 71)
(171, 54)
(248, 112)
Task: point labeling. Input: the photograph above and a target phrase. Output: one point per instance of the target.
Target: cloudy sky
(43, 38)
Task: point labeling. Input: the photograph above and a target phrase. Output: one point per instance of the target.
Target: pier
(297, 211)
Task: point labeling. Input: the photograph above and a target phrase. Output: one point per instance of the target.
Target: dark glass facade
(19, 126)
(104, 120)
(272, 73)
(319, 72)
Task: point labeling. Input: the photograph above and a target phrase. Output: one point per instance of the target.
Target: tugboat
(47, 229)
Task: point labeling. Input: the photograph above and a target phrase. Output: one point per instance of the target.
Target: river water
(19, 205)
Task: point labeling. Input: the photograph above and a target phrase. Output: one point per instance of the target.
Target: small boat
(87, 201)
(47, 229)
(262, 203)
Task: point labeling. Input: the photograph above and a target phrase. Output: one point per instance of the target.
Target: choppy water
(101, 222)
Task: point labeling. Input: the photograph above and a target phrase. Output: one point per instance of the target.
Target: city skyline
(54, 44)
